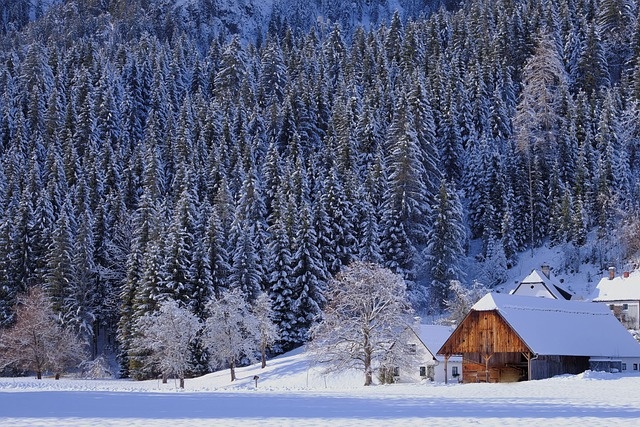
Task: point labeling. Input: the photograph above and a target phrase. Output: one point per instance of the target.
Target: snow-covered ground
(291, 392)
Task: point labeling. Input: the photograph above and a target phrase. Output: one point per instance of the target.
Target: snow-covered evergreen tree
(445, 248)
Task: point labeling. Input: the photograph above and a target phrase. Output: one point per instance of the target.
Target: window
(396, 371)
(454, 371)
(624, 366)
(412, 348)
(635, 366)
(423, 371)
(625, 306)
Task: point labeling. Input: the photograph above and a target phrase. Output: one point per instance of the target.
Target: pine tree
(339, 230)
(60, 265)
(409, 195)
(178, 283)
(445, 248)
(309, 279)
(279, 275)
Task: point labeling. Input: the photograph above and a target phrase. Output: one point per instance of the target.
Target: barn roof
(561, 327)
(618, 289)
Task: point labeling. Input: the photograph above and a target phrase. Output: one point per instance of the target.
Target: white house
(622, 295)
(426, 340)
(540, 284)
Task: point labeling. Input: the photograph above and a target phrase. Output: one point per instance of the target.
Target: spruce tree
(445, 248)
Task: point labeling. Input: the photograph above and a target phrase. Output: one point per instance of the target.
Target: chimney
(546, 270)
(612, 273)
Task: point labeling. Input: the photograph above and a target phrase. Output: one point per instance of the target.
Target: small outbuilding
(506, 338)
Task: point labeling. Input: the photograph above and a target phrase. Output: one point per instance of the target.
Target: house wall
(623, 364)
(533, 290)
(627, 312)
(434, 368)
(630, 365)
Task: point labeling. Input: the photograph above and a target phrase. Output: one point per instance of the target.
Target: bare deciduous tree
(36, 341)
(232, 331)
(165, 336)
(267, 330)
(366, 318)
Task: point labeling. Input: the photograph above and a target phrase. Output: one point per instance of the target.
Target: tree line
(141, 166)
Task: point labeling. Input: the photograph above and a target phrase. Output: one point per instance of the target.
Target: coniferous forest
(151, 152)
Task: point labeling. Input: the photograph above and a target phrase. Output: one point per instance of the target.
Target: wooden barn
(507, 338)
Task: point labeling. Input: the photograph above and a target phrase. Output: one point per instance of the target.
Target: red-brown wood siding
(484, 332)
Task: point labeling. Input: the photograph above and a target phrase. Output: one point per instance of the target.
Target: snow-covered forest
(155, 151)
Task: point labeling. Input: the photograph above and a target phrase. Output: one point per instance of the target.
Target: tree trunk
(181, 382)
(368, 375)
(232, 368)
(39, 375)
(57, 377)
(165, 377)
(264, 357)
(94, 339)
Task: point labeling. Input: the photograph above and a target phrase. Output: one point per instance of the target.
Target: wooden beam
(527, 356)
(486, 358)
(446, 369)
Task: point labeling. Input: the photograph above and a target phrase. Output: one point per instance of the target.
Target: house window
(423, 371)
(396, 371)
(611, 307)
(625, 306)
(454, 371)
(635, 366)
(412, 348)
(624, 366)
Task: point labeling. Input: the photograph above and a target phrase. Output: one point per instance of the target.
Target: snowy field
(291, 392)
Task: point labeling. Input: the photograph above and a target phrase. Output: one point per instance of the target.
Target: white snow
(619, 288)
(433, 336)
(291, 392)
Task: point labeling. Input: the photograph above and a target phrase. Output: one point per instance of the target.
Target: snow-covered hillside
(578, 270)
(292, 392)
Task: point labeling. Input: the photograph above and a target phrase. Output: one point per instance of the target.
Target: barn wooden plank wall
(493, 352)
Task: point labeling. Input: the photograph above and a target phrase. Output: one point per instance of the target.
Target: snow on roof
(618, 289)
(434, 336)
(535, 277)
(561, 327)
